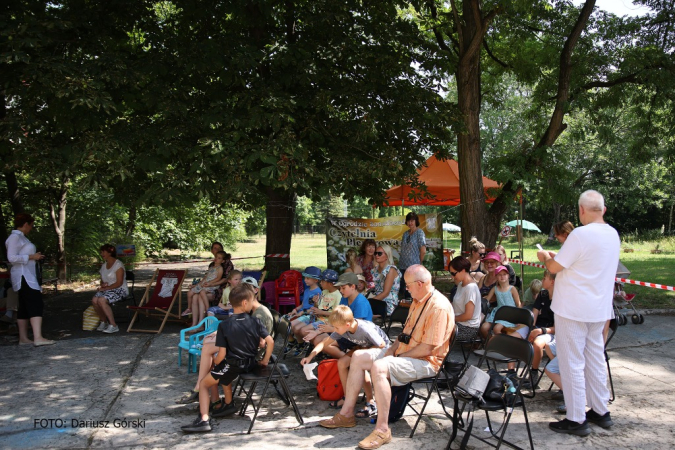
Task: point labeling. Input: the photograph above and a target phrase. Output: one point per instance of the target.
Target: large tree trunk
(59, 223)
(280, 213)
(131, 222)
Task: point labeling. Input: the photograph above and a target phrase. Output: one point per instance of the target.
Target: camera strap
(420, 315)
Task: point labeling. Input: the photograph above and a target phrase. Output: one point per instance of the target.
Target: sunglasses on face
(453, 273)
(482, 255)
(379, 253)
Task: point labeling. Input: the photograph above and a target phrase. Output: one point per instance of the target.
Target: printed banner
(343, 233)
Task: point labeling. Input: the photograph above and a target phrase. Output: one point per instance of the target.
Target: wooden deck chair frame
(161, 311)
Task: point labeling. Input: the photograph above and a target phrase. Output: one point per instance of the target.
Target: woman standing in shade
(22, 254)
(413, 246)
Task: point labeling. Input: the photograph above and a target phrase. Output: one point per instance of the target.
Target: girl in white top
(21, 253)
(113, 288)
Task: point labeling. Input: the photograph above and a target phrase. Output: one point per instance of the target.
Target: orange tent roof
(442, 181)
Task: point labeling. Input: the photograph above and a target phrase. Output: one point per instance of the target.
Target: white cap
(252, 281)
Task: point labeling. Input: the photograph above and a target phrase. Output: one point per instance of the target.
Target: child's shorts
(345, 345)
(553, 366)
(306, 319)
(226, 373)
(317, 324)
(216, 311)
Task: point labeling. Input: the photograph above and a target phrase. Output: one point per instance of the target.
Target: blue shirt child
(360, 307)
(307, 296)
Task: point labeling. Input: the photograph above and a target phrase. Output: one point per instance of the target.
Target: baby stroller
(623, 301)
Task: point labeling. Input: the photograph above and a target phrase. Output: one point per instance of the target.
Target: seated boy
(237, 339)
(310, 296)
(544, 322)
(328, 301)
(360, 307)
(361, 333)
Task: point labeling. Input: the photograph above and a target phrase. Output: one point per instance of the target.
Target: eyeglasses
(453, 273)
(482, 255)
(407, 285)
(379, 253)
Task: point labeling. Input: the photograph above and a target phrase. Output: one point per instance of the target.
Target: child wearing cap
(329, 299)
(506, 295)
(310, 296)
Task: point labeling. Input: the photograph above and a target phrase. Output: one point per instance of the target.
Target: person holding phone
(24, 257)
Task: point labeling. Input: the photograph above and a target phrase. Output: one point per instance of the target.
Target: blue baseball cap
(329, 275)
(312, 272)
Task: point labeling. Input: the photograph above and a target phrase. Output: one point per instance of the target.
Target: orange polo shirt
(434, 327)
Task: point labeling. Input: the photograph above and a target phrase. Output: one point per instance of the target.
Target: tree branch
(494, 57)
(458, 24)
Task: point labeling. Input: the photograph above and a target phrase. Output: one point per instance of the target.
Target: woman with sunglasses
(467, 300)
(476, 252)
(490, 263)
(388, 281)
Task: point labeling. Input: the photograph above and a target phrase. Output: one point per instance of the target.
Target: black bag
(499, 388)
(450, 374)
(400, 397)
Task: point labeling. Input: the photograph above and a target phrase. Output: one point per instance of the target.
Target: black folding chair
(613, 326)
(513, 349)
(514, 315)
(444, 376)
(275, 372)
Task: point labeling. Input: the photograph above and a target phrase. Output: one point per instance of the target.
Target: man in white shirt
(582, 303)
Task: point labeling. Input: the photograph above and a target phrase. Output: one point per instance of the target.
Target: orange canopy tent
(442, 181)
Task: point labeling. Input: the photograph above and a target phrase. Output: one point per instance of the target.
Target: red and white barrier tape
(620, 280)
(278, 255)
(643, 283)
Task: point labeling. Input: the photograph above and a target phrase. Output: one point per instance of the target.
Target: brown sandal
(376, 439)
(339, 421)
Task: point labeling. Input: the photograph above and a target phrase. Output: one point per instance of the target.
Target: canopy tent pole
(520, 243)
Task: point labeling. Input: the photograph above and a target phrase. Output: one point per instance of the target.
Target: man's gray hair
(592, 200)
(419, 273)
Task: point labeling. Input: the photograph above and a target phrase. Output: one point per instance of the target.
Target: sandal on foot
(376, 439)
(336, 403)
(369, 410)
(339, 421)
(190, 397)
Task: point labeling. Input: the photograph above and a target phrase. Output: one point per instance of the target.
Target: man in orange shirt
(418, 353)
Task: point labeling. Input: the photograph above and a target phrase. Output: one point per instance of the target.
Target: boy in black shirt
(238, 339)
(544, 322)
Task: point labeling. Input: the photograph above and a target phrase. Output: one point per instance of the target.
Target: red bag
(329, 386)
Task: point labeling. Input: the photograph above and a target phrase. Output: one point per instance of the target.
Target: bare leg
(368, 388)
(23, 331)
(205, 362)
(104, 306)
(343, 370)
(36, 325)
(334, 351)
(538, 346)
(204, 387)
(97, 308)
(556, 378)
(360, 363)
(380, 375)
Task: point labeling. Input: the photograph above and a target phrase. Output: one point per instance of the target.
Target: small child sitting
(311, 275)
(200, 294)
(224, 307)
(329, 299)
(237, 339)
(506, 295)
(532, 292)
(363, 334)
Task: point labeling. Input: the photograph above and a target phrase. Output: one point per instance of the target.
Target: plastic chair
(287, 289)
(193, 342)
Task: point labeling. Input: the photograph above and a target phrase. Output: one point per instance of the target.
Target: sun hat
(312, 272)
(252, 281)
(493, 256)
(361, 278)
(329, 275)
(501, 269)
(347, 278)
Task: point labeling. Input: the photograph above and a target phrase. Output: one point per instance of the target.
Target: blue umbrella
(526, 224)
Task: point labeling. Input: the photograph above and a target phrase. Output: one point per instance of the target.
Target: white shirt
(110, 275)
(463, 296)
(585, 287)
(19, 248)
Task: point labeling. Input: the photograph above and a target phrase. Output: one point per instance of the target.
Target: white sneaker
(111, 329)
(102, 326)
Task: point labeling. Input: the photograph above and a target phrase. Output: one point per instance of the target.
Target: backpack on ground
(400, 397)
(328, 386)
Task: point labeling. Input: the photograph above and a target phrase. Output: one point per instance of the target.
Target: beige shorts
(402, 370)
